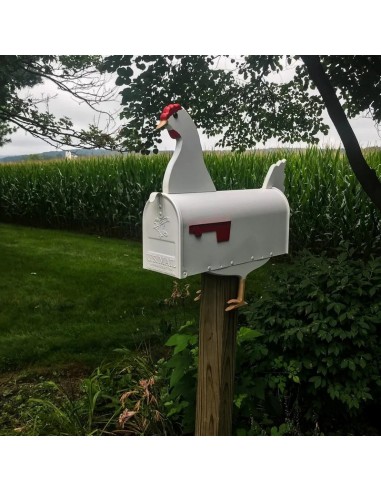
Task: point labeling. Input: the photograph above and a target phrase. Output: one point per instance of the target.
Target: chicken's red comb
(169, 111)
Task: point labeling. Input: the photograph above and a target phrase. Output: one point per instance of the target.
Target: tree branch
(75, 93)
(366, 176)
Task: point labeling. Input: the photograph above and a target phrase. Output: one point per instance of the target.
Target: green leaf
(241, 432)
(316, 380)
(259, 388)
(179, 341)
(177, 407)
(177, 374)
(274, 431)
(246, 334)
(239, 399)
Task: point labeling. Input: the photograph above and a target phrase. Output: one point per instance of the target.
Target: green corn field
(106, 195)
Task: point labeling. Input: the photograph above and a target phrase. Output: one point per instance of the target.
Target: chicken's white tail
(275, 176)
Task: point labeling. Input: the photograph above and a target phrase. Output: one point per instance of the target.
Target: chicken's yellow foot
(239, 301)
(198, 297)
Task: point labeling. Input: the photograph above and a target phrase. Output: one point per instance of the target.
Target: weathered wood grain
(217, 349)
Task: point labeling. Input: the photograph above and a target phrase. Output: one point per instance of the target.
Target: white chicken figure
(191, 228)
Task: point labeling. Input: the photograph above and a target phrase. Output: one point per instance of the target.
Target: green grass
(68, 298)
(71, 299)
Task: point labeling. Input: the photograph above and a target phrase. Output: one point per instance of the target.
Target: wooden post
(217, 349)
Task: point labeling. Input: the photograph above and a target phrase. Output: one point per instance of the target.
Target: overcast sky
(64, 105)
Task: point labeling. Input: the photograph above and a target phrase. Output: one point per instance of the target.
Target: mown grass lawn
(68, 299)
(71, 299)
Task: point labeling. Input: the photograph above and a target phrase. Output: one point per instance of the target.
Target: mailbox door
(161, 236)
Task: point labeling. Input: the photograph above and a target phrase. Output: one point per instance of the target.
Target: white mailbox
(186, 234)
(191, 228)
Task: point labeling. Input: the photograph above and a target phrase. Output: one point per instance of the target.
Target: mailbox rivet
(271, 253)
(232, 262)
(209, 268)
(185, 274)
(252, 258)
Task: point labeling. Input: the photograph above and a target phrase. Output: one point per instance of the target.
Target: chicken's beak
(161, 124)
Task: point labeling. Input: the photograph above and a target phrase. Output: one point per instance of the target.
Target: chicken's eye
(175, 115)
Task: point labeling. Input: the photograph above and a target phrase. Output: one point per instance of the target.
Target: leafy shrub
(179, 372)
(308, 359)
(320, 350)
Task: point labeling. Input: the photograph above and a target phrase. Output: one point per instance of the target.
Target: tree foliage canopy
(77, 75)
(358, 80)
(240, 99)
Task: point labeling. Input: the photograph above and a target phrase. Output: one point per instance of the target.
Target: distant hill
(56, 154)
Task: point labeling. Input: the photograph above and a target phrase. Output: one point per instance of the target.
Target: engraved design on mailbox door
(159, 226)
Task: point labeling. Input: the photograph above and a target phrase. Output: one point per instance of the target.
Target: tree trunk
(365, 175)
